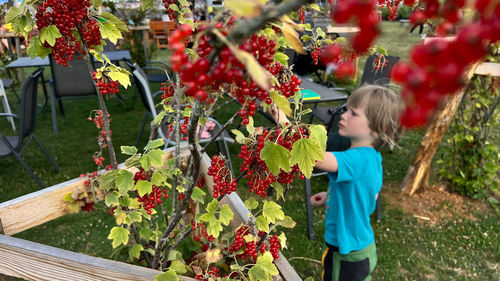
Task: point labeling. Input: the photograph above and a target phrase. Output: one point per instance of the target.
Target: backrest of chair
(29, 95)
(381, 76)
(141, 80)
(74, 80)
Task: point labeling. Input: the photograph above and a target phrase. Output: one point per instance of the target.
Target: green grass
(461, 249)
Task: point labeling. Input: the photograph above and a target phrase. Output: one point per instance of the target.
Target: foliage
(470, 161)
(404, 12)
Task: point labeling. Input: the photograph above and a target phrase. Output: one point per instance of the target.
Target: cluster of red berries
(302, 15)
(153, 199)
(239, 241)
(379, 63)
(99, 122)
(224, 183)
(260, 178)
(171, 13)
(288, 82)
(98, 159)
(364, 14)
(335, 54)
(437, 67)
(183, 128)
(274, 246)
(200, 232)
(105, 84)
(68, 15)
(168, 90)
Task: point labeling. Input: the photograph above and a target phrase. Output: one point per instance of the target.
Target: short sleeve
(349, 162)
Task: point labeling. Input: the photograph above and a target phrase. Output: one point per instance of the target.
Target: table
(341, 30)
(113, 56)
(326, 94)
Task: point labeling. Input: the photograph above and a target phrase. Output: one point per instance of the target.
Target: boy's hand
(318, 199)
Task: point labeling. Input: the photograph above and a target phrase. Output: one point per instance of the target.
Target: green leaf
(276, 157)
(49, 34)
(279, 190)
(112, 199)
(122, 76)
(124, 181)
(107, 181)
(281, 58)
(272, 211)
(314, 6)
(170, 275)
(266, 261)
(133, 217)
(281, 101)
(110, 31)
(145, 233)
(305, 38)
(240, 138)
(306, 26)
(286, 222)
(258, 273)
(157, 178)
(128, 150)
(212, 206)
(250, 128)
(251, 204)
(145, 162)
(174, 7)
(320, 32)
(225, 215)
(121, 26)
(159, 118)
(156, 157)
(305, 152)
(178, 266)
(13, 13)
(119, 235)
(144, 187)
(262, 223)
(199, 195)
(184, 3)
(242, 7)
(154, 144)
(214, 227)
(135, 252)
(382, 50)
(282, 238)
(317, 133)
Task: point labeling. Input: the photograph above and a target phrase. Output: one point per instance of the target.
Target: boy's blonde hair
(382, 109)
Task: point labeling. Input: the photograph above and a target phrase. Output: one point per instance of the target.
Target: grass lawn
(452, 241)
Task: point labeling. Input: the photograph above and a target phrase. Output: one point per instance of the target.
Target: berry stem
(214, 138)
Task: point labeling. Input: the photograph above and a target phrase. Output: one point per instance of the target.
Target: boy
(370, 123)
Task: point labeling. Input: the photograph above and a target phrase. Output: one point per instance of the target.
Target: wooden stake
(416, 176)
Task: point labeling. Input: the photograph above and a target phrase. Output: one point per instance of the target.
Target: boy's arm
(329, 164)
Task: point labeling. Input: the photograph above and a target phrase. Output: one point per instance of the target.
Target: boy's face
(355, 126)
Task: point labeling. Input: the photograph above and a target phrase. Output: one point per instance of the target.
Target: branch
(214, 138)
(196, 160)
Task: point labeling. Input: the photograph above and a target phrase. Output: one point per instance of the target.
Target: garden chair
(8, 83)
(161, 31)
(15, 145)
(148, 101)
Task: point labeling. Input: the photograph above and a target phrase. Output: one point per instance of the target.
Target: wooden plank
(36, 208)
(488, 68)
(243, 215)
(33, 261)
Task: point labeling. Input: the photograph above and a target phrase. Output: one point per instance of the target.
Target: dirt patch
(433, 204)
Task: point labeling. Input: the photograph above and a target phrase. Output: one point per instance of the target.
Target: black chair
(371, 75)
(9, 83)
(15, 145)
(72, 81)
(147, 98)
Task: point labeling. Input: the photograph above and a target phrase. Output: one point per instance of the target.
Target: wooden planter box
(33, 261)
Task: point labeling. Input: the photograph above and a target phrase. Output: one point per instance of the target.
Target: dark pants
(355, 266)
(420, 30)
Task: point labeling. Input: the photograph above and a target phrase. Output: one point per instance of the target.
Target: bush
(404, 12)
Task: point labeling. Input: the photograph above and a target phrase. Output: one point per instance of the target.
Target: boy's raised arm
(329, 164)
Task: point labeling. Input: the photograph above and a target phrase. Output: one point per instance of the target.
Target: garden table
(337, 31)
(9, 35)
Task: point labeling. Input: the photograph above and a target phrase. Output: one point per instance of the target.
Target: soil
(433, 204)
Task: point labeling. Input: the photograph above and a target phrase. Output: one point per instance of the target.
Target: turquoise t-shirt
(351, 199)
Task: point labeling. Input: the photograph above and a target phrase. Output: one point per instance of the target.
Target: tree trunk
(417, 174)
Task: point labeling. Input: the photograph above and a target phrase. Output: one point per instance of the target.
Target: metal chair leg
(47, 155)
(61, 108)
(25, 166)
(310, 226)
(53, 110)
(378, 207)
(141, 130)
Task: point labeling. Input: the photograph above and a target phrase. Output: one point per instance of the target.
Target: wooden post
(420, 167)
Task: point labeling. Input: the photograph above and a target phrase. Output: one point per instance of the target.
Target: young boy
(370, 123)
